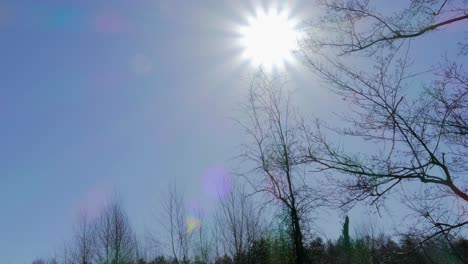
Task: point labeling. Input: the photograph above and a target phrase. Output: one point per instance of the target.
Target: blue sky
(97, 98)
(100, 98)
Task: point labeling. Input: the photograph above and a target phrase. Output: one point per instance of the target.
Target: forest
(292, 165)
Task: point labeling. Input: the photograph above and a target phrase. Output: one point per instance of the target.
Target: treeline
(237, 233)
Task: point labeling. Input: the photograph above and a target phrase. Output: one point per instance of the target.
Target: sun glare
(269, 39)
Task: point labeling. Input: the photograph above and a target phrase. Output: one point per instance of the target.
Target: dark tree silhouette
(275, 154)
(361, 27)
(345, 234)
(422, 139)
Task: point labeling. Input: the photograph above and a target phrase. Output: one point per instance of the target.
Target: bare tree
(203, 243)
(216, 235)
(103, 232)
(357, 25)
(84, 240)
(238, 222)
(422, 139)
(66, 257)
(148, 248)
(115, 240)
(278, 169)
(174, 219)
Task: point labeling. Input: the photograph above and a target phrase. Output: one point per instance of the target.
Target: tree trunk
(297, 235)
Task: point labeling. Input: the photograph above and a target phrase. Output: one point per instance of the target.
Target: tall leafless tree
(84, 248)
(115, 239)
(274, 152)
(422, 139)
(66, 257)
(203, 243)
(174, 219)
(238, 222)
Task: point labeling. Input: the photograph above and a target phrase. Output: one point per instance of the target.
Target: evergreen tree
(345, 235)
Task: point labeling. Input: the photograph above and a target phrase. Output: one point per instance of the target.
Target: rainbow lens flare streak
(193, 224)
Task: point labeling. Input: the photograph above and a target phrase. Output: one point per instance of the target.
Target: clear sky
(97, 98)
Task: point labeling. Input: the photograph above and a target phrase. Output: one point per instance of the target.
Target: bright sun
(269, 38)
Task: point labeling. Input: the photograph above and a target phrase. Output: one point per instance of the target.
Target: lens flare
(216, 182)
(193, 224)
